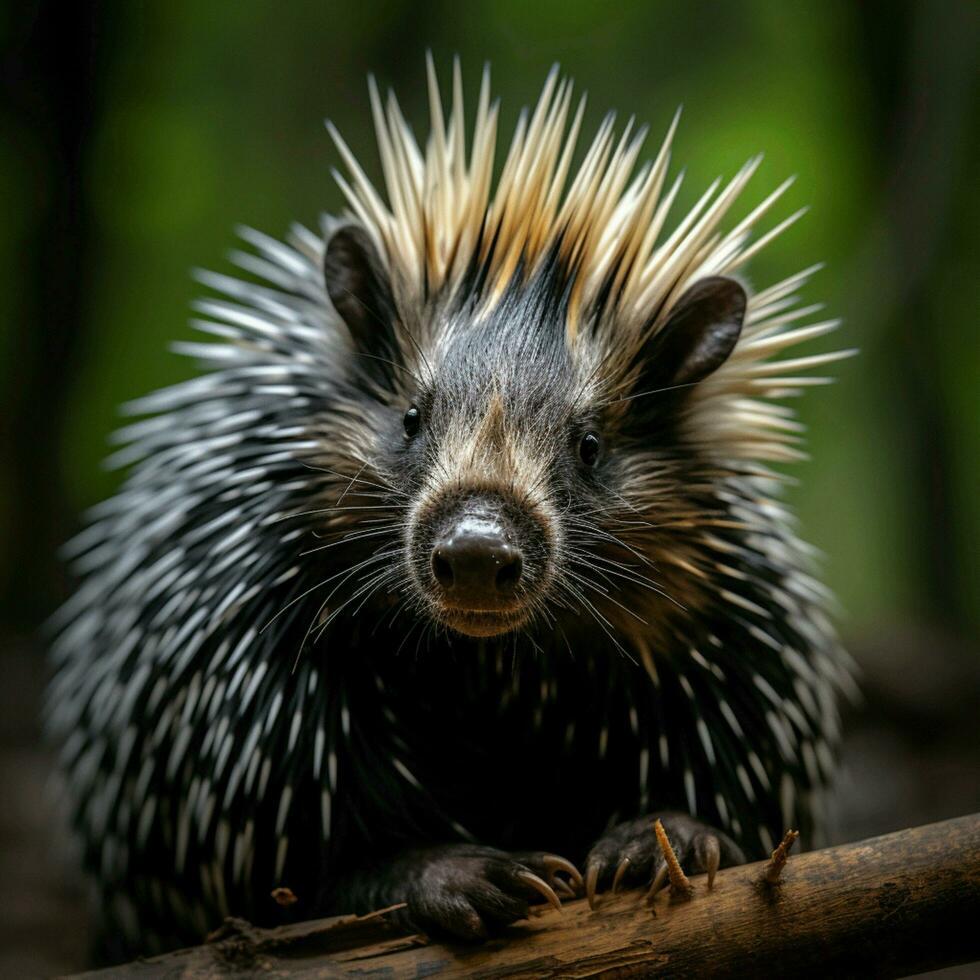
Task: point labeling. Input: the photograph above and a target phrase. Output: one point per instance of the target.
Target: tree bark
(886, 907)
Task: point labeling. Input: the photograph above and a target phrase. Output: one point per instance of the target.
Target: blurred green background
(136, 135)
(193, 117)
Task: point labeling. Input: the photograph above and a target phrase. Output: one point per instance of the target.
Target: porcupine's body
(467, 535)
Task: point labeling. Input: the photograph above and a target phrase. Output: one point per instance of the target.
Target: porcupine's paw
(630, 855)
(469, 892)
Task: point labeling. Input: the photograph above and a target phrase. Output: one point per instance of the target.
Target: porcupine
(467, 543)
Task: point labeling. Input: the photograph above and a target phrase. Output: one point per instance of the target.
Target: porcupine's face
(506, 446)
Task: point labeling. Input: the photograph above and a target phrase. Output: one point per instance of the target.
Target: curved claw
(707, 849)
(554, 863)
(541, 887)
(620, 871)
(659, 880)
(562, 888)
(591, 880)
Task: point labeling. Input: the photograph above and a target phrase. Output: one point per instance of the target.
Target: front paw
(630, 855)
(468, 892)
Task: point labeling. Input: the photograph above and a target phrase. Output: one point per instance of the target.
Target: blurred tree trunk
(922, 67)
(54, 67)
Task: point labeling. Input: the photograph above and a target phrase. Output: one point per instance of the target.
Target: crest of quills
(467, 540)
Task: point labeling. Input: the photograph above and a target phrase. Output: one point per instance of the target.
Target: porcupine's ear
(699, 336)
(359, 288)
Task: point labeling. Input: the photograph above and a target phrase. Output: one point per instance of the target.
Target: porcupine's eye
(589, 448)
(412, 420)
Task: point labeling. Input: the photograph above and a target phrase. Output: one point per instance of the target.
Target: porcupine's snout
(476, 561)
(485, 562)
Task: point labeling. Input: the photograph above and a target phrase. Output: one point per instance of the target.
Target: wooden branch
(898, 904)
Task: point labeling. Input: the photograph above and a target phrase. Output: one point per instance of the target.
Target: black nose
(475, 563)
